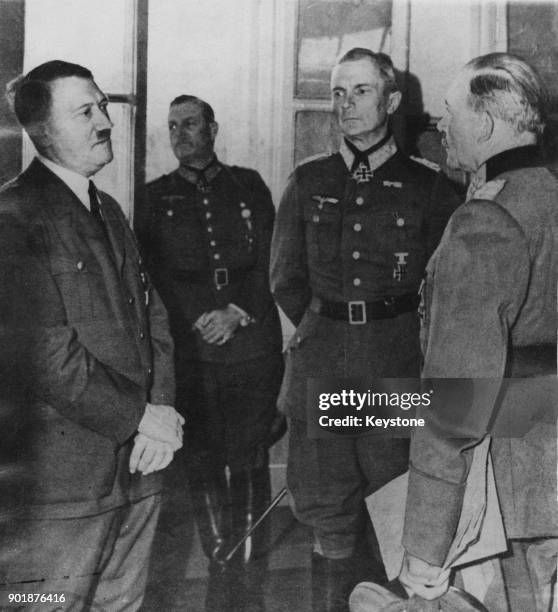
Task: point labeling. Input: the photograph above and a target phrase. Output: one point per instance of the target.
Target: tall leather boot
(332, 582)
(210, 494)
(250, 497)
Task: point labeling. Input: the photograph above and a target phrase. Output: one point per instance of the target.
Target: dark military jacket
(207, 248)
(341, 240)
(490, 313)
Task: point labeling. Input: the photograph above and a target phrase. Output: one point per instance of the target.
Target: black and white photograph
(278, 305)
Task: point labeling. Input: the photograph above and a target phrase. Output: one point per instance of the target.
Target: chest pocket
(78, 281)
(323, 229)
(178, 234)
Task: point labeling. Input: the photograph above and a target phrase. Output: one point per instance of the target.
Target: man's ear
(485, 126)
(214, 129)
(39, 135)
(394, 100)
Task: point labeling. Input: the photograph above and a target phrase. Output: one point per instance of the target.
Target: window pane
(315, 133)
(96, 34)
(327, 28)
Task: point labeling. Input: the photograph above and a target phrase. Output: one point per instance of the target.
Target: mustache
(104, 134)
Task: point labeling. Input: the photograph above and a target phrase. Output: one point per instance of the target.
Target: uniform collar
(528, 156)
(193, 175)
(76, 182)
(375, 159)
(521, 157)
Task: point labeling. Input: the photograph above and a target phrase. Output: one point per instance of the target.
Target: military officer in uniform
(206, 230)
(353, 234)
(490, 313)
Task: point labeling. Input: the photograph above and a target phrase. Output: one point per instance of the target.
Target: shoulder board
(312, 158)
(489, 190)
(160, 179)
(426, 162)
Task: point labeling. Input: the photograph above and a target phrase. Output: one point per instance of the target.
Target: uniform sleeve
(40, 348)
(255, 288)
(289, 272)
(480, 281)
(162, 390)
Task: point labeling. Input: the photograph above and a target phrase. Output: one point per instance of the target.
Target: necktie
(95, 209)
(94, 206)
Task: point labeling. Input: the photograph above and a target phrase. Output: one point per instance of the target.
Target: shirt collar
(76, 182)
(375, 159)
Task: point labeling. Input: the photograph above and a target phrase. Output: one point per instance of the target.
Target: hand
(420, 578)
(218, 326)
(149, 455)
(162, 423)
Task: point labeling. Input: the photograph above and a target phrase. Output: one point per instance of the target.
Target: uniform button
(356, 255)
(212, 243)
(150, 371)
(209, 229)
(80, 265)
(360, 200)
(170, 212)
(320, 206)
(130, 300)
(206, 201)
(316, 218)
(142, 335)
(400, 222)
(140, 261)
(208, 215)
(357, 282)
(357, 227)
(216, 256)
(242, 205)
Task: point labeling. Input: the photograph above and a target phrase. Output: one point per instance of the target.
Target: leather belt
(220, 277)
(359, 312)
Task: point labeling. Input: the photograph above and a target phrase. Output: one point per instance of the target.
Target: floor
(178, 570)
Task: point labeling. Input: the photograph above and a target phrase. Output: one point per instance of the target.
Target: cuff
(245, 319)
(431, 516)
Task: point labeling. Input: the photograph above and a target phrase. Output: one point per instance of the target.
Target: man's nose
(442, 124)
(348, 100)
(102, 120)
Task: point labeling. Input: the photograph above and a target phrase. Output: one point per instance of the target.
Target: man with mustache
(490, 313)
(86, 348)
(206, 230)
(353, 234)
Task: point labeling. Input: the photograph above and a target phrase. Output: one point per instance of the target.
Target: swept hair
(510, 89)
(30, 94)
(382, 62)
(207, 111)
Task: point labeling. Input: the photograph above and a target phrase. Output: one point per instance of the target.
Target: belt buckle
(357, 312)
(389, 303)
(221, 277)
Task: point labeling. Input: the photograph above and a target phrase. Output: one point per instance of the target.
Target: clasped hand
(218, 326)
(423, 579)
(159, 436)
